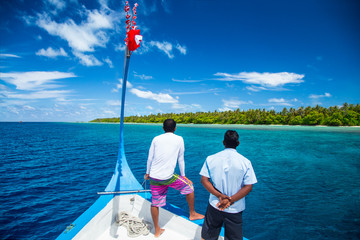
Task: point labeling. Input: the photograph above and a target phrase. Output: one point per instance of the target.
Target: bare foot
(158, 233)
(196, 216)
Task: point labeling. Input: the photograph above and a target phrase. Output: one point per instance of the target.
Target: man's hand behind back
(224, 202)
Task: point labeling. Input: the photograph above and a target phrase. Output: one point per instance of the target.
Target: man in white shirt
(232, 178)
(165, 151)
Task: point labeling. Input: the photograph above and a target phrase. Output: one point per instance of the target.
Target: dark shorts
(214, 220)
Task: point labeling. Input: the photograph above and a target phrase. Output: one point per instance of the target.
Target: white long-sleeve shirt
(165, 151)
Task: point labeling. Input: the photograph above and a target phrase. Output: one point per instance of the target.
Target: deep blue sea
(308, 177)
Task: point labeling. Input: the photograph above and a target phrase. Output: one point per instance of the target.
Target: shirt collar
(230, 149)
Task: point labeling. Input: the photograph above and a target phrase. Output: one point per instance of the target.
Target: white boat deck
(103, 226)
(121, 233)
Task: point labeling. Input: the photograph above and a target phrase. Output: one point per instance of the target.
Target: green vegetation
(346, 115)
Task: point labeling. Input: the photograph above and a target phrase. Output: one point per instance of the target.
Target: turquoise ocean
(308, 177)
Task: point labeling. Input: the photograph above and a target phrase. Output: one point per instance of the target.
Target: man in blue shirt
(232, 177)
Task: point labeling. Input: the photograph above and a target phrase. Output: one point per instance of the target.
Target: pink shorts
(159, 188)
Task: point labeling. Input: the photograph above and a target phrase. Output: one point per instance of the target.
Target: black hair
(231, 139)
(169, 125)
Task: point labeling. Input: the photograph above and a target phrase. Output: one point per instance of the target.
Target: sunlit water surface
(308, 177)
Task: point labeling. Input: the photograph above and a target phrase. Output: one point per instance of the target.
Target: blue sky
(63, 60)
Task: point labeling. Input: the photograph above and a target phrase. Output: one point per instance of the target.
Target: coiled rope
(135, 226)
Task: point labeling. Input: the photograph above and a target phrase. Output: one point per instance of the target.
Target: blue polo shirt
(229, 171)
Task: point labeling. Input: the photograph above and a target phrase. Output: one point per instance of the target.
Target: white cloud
(122, 48)
(233, 104)
(13, 102)
(211, 90)
(119, 85)
(109, 112)
(109, 62)
(52, 53)
(314, 96)
(224, 109)
(160, 97)
(7, 55)
(64, 101)
(92, 31)
(27, 107)
(89, 30)
(144, 48)
(83, 37)
(44, 94)
(230, 85)
(271, 80)
(255, 88)
(279, 101)
(35, 80)
(179, 106)
(114, 103)
(13, 110)
(165, 47)
(276, 100)
(58, 4)
(87, 60)
(186, 81)
(282, 101)
(143, 76)
(150, 107)
(182, 49)
(186, 107)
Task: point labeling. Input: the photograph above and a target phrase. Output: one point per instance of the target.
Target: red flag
(134, 39)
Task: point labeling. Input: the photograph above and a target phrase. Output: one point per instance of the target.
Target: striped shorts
(159, 188)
